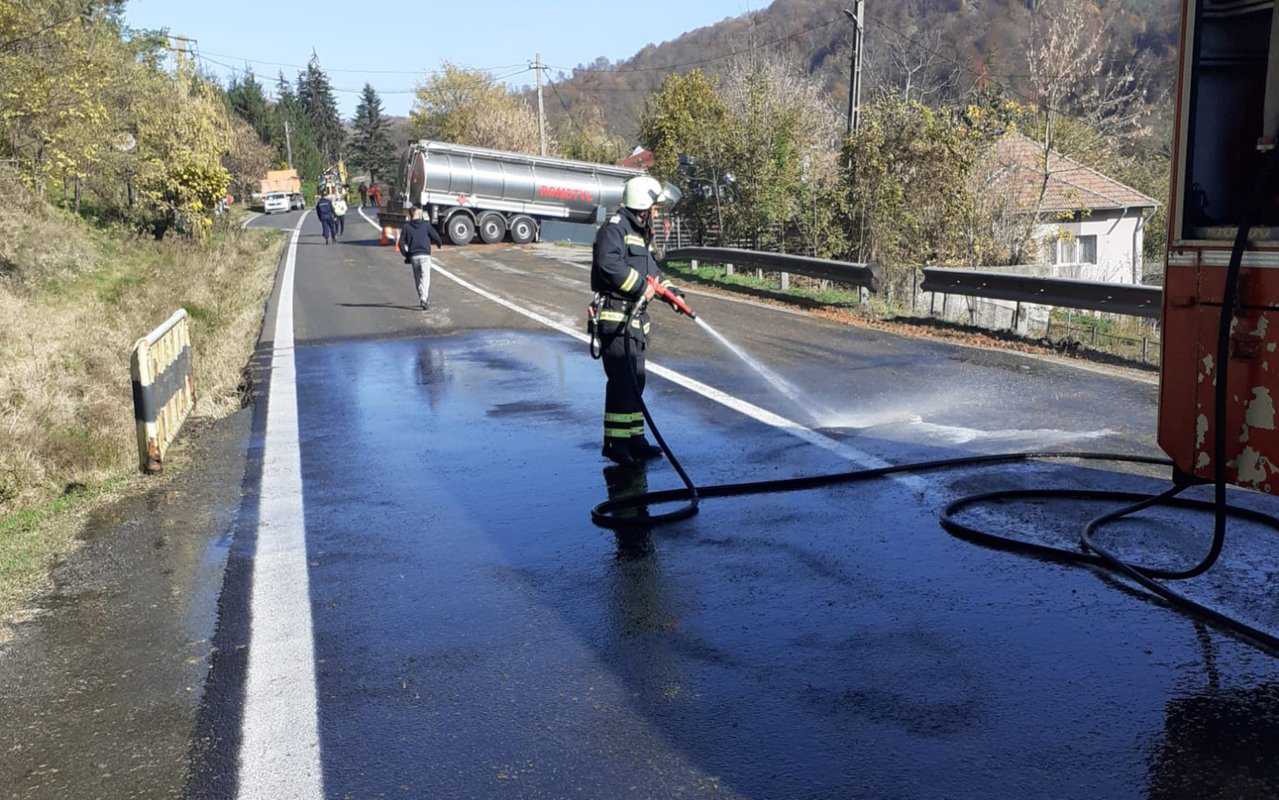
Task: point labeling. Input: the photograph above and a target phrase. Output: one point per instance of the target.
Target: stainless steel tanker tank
(450, 176)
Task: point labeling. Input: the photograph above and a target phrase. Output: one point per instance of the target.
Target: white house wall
(1117, 235)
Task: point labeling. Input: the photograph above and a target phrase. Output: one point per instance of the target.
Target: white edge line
(245, 224)
(737, 404)
(280, 741)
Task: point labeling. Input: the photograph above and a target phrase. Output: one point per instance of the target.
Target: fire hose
(1090, 552)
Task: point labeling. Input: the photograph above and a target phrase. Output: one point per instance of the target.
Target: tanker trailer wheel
(523, 230)
(461, 229)
(492, 228)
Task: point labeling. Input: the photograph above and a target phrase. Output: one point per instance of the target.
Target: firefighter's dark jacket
(622, 260)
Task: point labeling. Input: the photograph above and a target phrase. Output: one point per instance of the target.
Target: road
(415, 603)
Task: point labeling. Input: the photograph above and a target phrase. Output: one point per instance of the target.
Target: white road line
(280, 740)
(710, 392)
(245, 224)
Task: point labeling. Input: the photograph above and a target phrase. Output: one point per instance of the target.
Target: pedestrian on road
(415, 245)
(339, 215)
(375, 192)
(364, 195)
(621, 264)
(324, 210)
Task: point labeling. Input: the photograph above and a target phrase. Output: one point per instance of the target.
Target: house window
(1087, 249)
(1067, 254)
(1074, 250)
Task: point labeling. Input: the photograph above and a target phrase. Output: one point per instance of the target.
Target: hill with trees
(935, 51)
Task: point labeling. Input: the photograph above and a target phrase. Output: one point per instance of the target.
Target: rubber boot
(641, 450)
(618, 451)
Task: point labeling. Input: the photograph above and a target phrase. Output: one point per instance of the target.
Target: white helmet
(644, 191)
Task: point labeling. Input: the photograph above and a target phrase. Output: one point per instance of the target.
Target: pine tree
(307, 158)
(371, 141)
(248, 99)
(284, 92)
(315, 96)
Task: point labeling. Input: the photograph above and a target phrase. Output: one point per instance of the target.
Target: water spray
(1089, 551)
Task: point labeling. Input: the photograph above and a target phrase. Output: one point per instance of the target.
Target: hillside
(943, 47)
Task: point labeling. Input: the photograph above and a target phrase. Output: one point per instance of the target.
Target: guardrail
(1113, 298)
(163, 388)
(865, 275)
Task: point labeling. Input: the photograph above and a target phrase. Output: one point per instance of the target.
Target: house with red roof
(1091, 226)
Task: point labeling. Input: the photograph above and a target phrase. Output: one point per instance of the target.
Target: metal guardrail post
(163, 388)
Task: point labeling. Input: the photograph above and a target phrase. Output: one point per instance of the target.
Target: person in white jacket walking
(339, 215)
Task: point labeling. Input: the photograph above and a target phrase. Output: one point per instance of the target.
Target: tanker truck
(469, 190)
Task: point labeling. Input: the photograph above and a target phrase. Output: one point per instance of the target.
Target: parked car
(276, 201)
(297, 202)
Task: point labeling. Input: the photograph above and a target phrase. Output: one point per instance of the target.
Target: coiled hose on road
(1090, 553)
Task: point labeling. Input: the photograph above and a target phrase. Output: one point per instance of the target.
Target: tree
(58, 71)
(247, 99)
(298, 137)
(1099, 95)
(780, 135)
(686, 118)
(468, 107)
(912, 66)
(247, 158)
(183, 134)
(585, 137)
(920, 194)
(371, 145)
(315, 97)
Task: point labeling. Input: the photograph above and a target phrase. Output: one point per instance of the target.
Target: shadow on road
(379, 305)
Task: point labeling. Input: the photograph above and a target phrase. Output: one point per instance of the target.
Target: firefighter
(621, 263)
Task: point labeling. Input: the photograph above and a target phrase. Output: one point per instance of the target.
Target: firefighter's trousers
(623, 418)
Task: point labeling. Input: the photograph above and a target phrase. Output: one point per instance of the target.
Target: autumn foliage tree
(87, 104)
(469, 107)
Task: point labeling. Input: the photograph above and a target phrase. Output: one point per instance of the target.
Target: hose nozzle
(671, 297)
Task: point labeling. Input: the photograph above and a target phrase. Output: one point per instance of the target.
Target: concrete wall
(1119, 246)
(1031, 319)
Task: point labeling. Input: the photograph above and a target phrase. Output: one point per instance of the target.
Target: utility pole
(855, 67)
(288, 144)
(541, 112)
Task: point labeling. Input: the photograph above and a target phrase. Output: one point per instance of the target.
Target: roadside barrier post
(163, 388)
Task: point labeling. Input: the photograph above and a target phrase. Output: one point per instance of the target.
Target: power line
(572, 120)
(203, 57)
(358, 70)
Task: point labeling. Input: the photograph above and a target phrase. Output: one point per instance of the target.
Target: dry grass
(73, 300)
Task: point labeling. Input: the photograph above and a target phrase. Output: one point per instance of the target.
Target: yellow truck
(281, 190)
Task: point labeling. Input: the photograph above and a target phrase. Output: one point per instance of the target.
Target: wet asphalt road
(474, 636)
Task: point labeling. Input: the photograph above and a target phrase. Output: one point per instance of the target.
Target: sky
(394, 50)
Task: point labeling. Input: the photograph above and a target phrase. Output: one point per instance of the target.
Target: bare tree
(912, 66)
(1072, 74)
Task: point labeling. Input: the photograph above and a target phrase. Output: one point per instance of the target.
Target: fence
(163, 388)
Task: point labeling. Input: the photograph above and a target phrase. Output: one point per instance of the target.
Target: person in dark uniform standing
(622, 263)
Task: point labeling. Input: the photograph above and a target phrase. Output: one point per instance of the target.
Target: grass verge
(74, 299)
